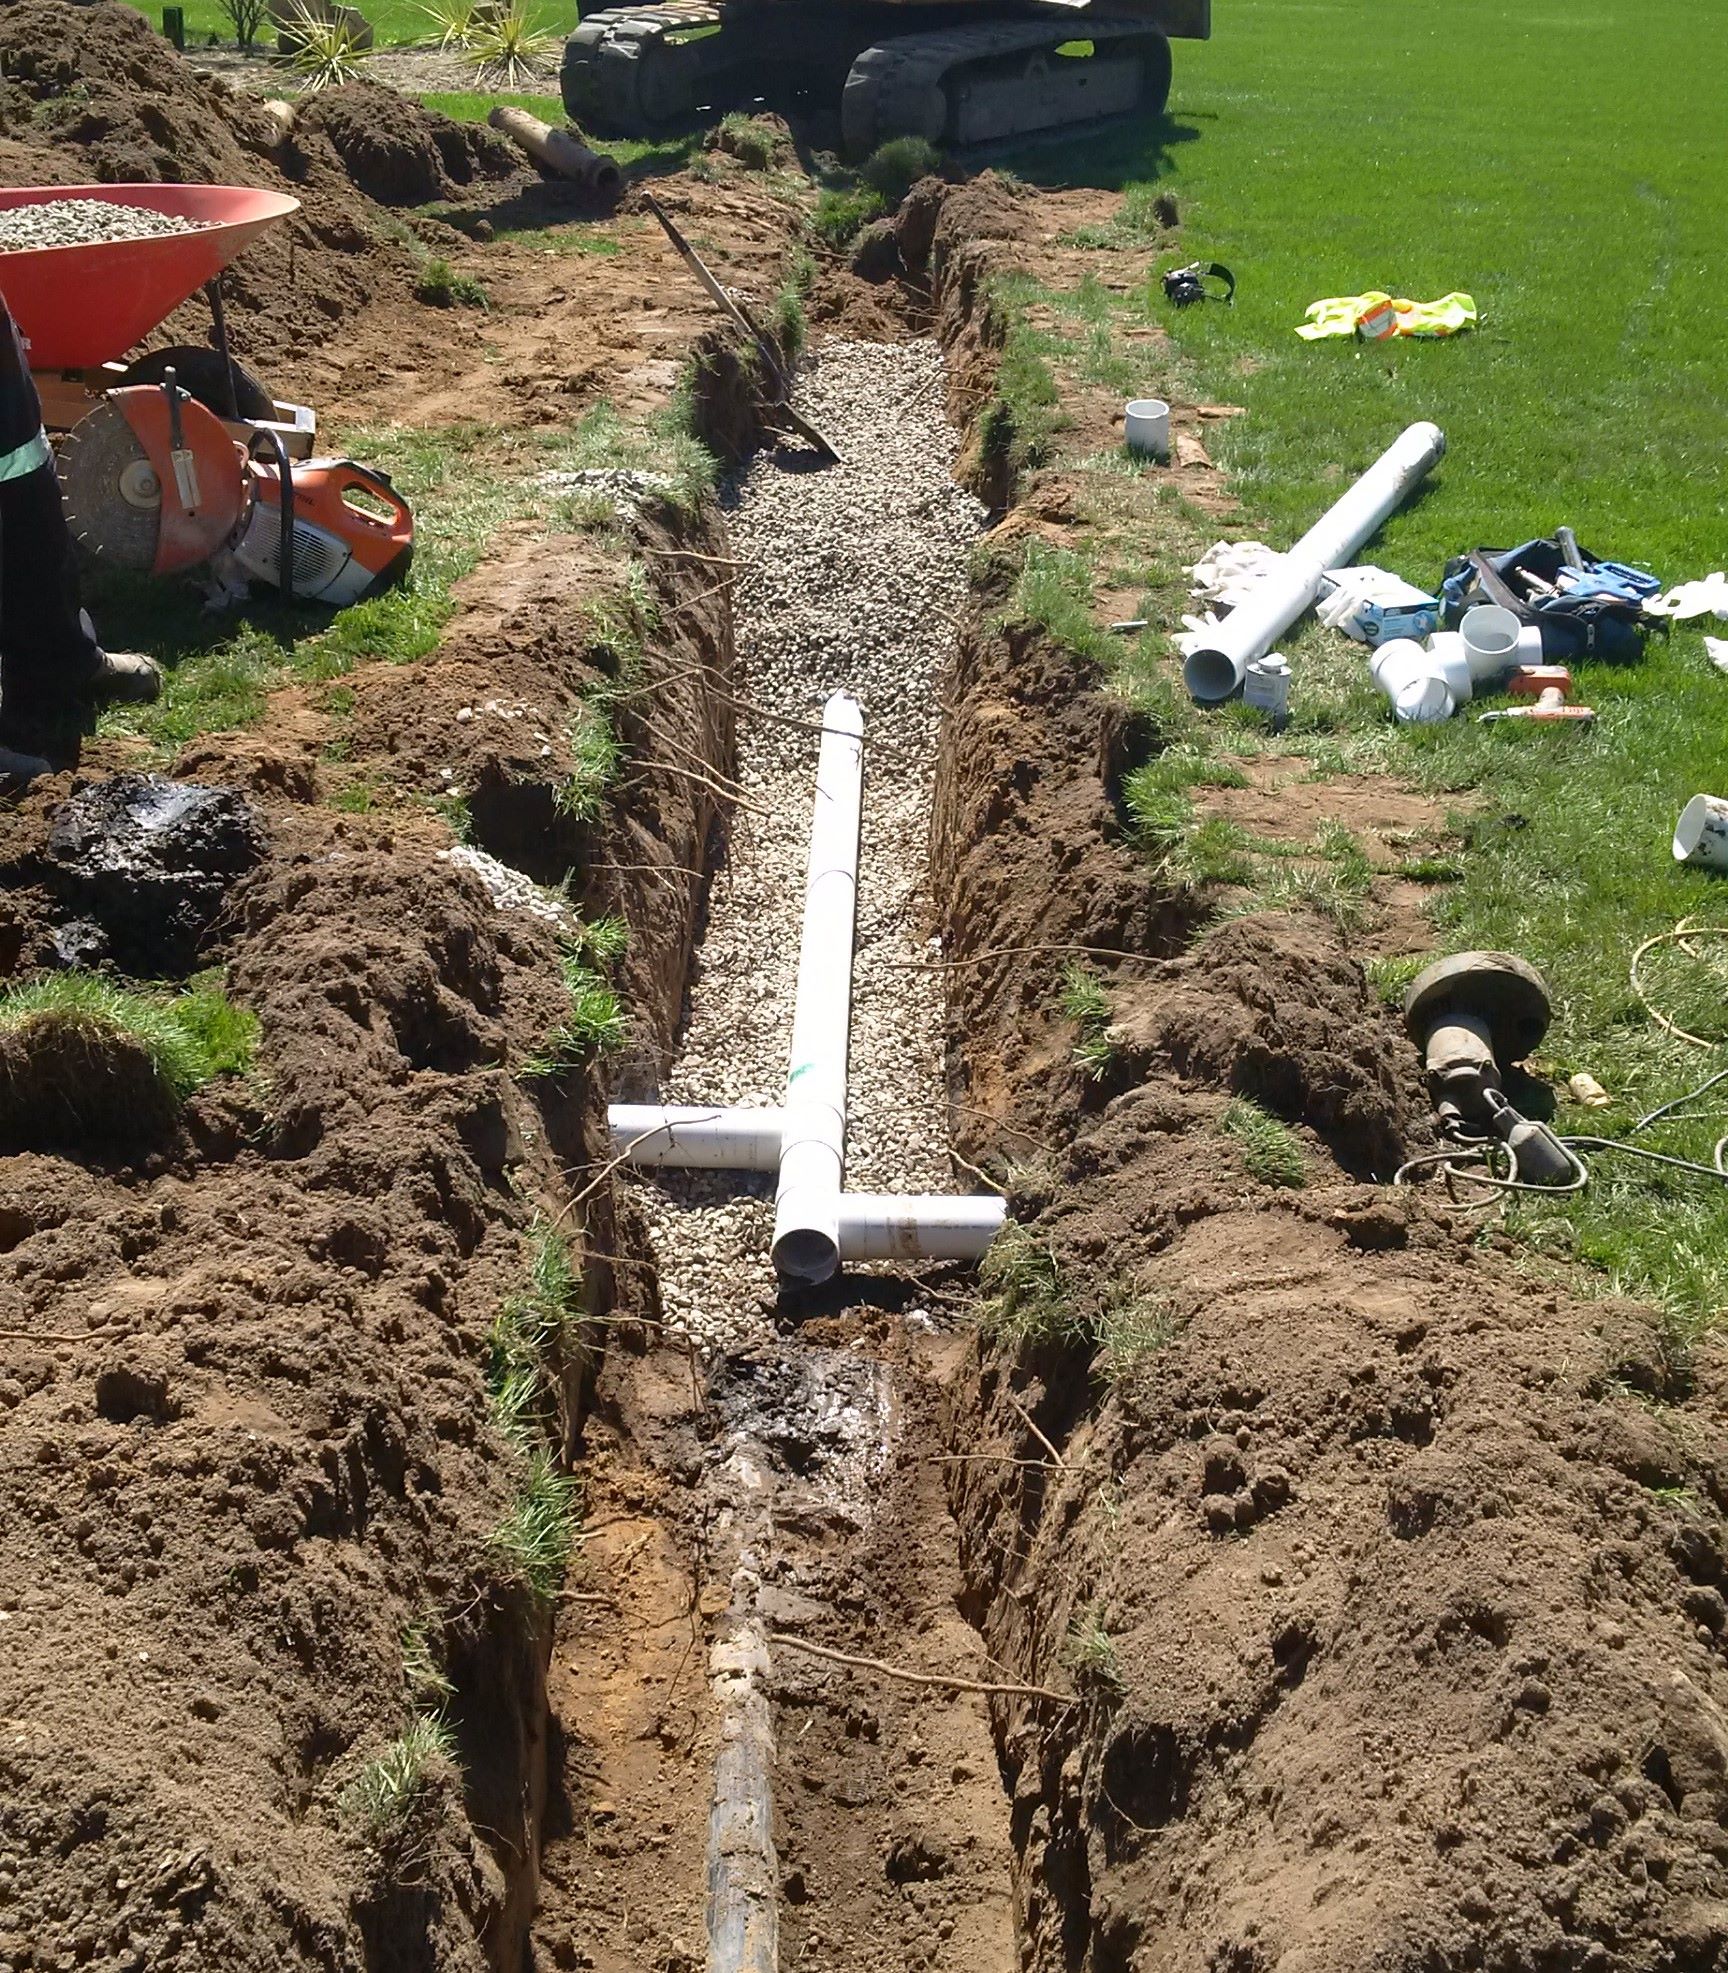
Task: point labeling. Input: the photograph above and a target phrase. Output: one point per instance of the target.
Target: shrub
(895, 167)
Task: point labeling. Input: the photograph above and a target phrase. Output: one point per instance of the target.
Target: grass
(751, 141)
(380, 1799)
(1131, 1328)
(188, 1038)
(1087, 1005)
(1090, 1651)
(1271, 1150)
(439, 284)
(594, 758)
(531, 1337)
(533, 1544)
(1025, 1299)
(1592, 395)
(595, 1022)
(423, 1674)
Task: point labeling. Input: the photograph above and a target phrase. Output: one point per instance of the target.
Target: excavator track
(631, 70)
(1000, 79)
(638, 70)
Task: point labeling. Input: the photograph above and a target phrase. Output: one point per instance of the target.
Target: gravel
(857, 576)
(508, 889)
(85, 223)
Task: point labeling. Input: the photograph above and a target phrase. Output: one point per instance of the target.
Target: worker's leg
(53, 673)
(49, 661)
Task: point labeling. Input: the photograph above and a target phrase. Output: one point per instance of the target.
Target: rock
(150, 861)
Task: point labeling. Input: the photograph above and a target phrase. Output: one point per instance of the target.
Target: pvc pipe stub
(1210, 676)
(806, 1256)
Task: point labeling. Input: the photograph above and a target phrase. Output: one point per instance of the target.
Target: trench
(781, 1482)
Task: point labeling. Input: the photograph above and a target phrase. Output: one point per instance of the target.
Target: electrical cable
(1470, 1159)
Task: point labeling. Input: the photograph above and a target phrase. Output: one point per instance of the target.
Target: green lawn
(393, 21)
(1547, 161)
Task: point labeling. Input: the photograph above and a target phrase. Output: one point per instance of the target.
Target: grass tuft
(1271, 1150)
(441, 286)
(1090, 1651)
(595, 1022)
(1131, 1328)
(892, 169)
(533, 1544)
(1087, 1005)
(757, 145)
(1025, 1299)
(594, 759)
(82, 1057)
(380, 1799)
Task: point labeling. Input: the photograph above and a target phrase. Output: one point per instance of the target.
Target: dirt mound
(251, 1489)
(94, 93)
(398, 153)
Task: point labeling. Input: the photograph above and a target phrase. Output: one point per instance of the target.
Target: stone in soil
(150, 860)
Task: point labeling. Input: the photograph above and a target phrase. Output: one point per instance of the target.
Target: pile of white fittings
(1213, 668)
(1428, 683)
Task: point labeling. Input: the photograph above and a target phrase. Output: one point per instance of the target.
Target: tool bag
(1595, 610)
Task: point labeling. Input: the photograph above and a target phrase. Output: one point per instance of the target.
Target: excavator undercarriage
(967, 73)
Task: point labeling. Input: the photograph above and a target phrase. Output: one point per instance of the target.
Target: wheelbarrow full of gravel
(91, 271)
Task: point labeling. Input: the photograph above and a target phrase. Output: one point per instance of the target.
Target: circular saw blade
(112, 496)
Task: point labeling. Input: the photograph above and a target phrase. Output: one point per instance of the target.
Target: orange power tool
(1548, 686)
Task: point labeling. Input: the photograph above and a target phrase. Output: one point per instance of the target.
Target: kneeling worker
(54, 676)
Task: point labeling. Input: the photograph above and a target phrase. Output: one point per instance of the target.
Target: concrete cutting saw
(153, 481)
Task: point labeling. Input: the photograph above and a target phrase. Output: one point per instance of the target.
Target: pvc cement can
(1701, 834)
(1146, 427)
(1266, 684)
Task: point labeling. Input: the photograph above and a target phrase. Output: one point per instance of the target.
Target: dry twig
(906, 1677)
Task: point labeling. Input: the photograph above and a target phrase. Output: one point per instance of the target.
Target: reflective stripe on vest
(30, 457)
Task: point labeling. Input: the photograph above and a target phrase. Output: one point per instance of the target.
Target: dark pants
(48, 661)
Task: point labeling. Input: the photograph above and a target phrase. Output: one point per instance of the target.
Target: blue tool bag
(1584, 607)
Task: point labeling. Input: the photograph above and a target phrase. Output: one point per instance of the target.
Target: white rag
(1708, 596)
(1198, 633)
(1230, 571)
(1716, 650)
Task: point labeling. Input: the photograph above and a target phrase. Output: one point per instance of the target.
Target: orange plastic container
(79, 306)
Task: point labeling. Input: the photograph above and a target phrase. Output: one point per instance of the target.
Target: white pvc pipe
(887, 1226)
(1213, 672)
(807, 1202)
(689, 1134)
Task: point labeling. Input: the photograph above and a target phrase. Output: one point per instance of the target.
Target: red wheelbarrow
(82, 308)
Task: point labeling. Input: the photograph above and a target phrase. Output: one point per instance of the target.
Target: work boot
(22, 768)
(125, 679)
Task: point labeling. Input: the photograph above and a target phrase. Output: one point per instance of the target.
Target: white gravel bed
(856, 578)
(85, 223)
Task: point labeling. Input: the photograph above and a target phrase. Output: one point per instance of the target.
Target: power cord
(1471, 1160)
